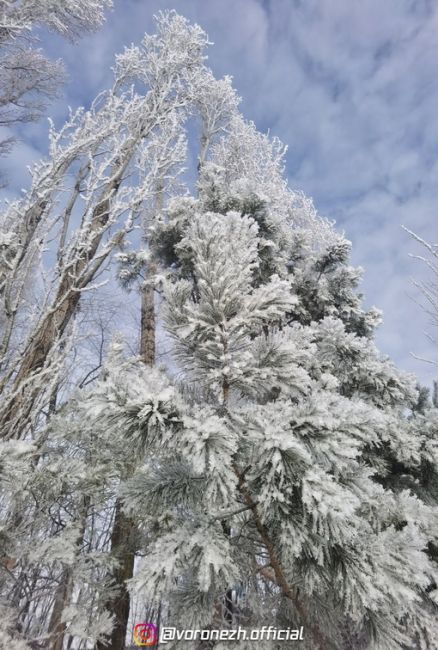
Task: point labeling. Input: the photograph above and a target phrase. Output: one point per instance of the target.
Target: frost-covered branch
(28, 79)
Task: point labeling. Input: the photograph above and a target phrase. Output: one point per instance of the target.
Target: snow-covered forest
(197, 428)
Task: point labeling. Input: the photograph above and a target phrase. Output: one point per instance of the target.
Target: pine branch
(323, 643)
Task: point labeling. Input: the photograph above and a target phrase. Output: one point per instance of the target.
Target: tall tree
(107, 160)
(283, 437)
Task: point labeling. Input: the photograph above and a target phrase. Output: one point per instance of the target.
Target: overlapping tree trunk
(76, 276)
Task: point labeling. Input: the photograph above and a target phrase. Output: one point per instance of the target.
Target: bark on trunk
(123, 550)
(56, 626)
(147, 325)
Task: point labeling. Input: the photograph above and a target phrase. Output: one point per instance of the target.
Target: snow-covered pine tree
(267, 463)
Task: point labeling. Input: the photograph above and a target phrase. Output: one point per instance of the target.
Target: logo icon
(145, 634)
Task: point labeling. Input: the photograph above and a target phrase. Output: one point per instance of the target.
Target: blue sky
(350, 86)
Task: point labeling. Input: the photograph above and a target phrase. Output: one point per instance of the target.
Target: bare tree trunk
(123, 550)
(147, 325)
(57, 627)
